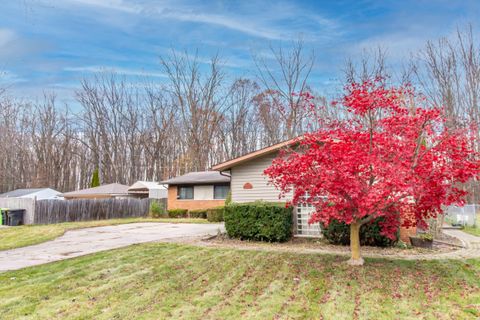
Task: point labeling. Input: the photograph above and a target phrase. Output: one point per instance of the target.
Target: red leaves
(393, 159)
(373, 96)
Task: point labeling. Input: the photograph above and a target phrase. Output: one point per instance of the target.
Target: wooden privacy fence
(56, 211)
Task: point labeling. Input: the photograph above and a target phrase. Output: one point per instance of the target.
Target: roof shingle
(202, 177)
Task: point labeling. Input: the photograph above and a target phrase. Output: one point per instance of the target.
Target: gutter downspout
(225, 175)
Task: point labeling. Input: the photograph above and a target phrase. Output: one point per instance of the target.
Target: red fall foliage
(392, 157)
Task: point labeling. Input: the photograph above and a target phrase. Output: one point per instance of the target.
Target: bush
(228, 200)
(339, 233)
(215, 214)
(426, 236)
(177, 213)
(157, 209)
(259, 221)
(199, 213)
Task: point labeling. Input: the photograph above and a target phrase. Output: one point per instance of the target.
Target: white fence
(465, 216)
(21, 203)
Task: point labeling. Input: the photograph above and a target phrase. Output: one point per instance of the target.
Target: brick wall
(174, 203)
(405, 233)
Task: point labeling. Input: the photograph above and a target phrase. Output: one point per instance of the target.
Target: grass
(474, 230)
(16, 237)
(171, 281)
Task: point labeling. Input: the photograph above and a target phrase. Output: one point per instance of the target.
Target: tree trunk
(356, 259)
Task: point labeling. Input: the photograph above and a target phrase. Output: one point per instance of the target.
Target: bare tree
(201, 102)
(283, 77)
(370, 65)
(110, 122)
(160, 135)
(240, 129)
(15, 155)
(47, 132)
(448, 72)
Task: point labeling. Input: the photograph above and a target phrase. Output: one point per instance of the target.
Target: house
(107, 191)
(37, 193)
(198, 190)
(249, 184)
(148, 189)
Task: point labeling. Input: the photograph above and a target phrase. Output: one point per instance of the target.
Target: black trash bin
(15, 217)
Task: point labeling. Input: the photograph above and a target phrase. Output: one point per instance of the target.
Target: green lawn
(22, 236)
(474, 230)
(171, 281)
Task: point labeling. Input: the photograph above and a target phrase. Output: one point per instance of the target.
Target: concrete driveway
(89, 240)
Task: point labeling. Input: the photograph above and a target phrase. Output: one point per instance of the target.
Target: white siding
(203, 192)
(157, 193)
(252, 172)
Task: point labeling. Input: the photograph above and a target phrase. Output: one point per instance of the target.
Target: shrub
(339, 233)
(259, 221)
(177, 213)
(426, 236)
(228, 200)
(199, 213)
(215, 214)
(157, 209)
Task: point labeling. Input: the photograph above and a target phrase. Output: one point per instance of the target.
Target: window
(220, 191)
(185, 192)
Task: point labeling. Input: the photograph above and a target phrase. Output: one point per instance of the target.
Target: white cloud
(118, 5)
(8, 78)
(6, 37)
(119, 70)
(14, 47)
(258, 23)
(232, 23)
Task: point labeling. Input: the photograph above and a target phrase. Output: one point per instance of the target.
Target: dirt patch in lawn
(447, 244)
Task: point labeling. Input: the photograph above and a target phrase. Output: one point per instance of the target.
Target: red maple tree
(393, 158)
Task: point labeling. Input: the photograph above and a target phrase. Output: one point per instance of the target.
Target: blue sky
(50, 45)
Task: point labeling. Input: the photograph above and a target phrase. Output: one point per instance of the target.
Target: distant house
(148, 189)
(37, 193)
(197, 190)
(107, 191)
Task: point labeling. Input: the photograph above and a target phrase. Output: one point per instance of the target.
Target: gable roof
(255, 154)
(202, 177)
(107, 189)
(22, 192)
(145, 185)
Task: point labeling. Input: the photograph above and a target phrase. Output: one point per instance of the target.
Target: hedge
(259, 221)
(339, 233)
(198, 213)
(215, 214)
(177, 213)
